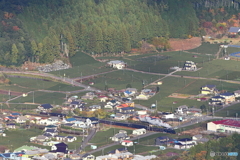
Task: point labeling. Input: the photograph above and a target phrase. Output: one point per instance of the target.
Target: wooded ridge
(46, 30)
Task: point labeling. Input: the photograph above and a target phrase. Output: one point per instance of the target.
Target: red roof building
(226, 125)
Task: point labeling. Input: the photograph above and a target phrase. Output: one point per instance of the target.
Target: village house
(45, 107)
(66, 138)
(113, 102)
(142, 96)
(189, 66)
(185, 143)
(199, 138)
(233, 31)
(193, 110)
(72, 98)
(15, 114)
(10, 118)
(51, 132)
(182, 109)
(21, 119)
(119, 137)
(120, 116)
(119, 150)
(10, 126)
(49, 121)
(12, 156)
(88, 157)
(164, 140)
(139, 131)
(40, 138)
(70, 120)
(117, 64)
(126, 110)
(141, 112)
(118, 107)
(237, 93)
(117, 156)
(130, 92)
(76, 104)
(73, 156)
(103, 98)
(226, 125)
(50, 127)
(229, 97)
(89, 95)
(2, 128)
(80, 124)
(94, 107)
(60, 148)
(35, 154)
(209, 89)
(127, 143)
(217, 100)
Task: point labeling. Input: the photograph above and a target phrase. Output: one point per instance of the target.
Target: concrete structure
(226, 125)
(117, 64)
(139, 131)
(182, 109)
(189, 66)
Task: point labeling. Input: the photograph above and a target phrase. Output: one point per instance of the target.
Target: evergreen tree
(34, 49)
(14, 54)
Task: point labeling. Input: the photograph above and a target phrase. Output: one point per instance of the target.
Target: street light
(213, 111)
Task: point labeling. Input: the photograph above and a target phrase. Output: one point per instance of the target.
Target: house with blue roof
(126, 110)
(127, 93)
(233, 31)
(60, 148)
(10, 118)
(229, 97)
(209, 89)
(76, 104)
(45, 107)
(71, 120)
(15, 114)
(52, 132)
(12, 156)
(217, 100)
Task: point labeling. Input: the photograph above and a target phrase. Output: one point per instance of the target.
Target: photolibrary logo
(212, 154)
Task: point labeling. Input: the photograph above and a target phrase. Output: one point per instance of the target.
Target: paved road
(89, 76)
(86, 140)
(190, 77)
(117, 143)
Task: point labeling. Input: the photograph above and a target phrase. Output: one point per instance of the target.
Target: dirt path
(7, 92)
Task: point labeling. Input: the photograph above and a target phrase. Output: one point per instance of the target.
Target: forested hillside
(45, 30)
(226, 144)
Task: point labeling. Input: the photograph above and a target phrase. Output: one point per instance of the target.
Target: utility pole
(9, 93)
(156, 106)
(81, 77)
(213, 111)
(33, 96)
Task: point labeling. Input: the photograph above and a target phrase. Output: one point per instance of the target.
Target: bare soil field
(178, 95)
(184, 44)
(192, 132)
